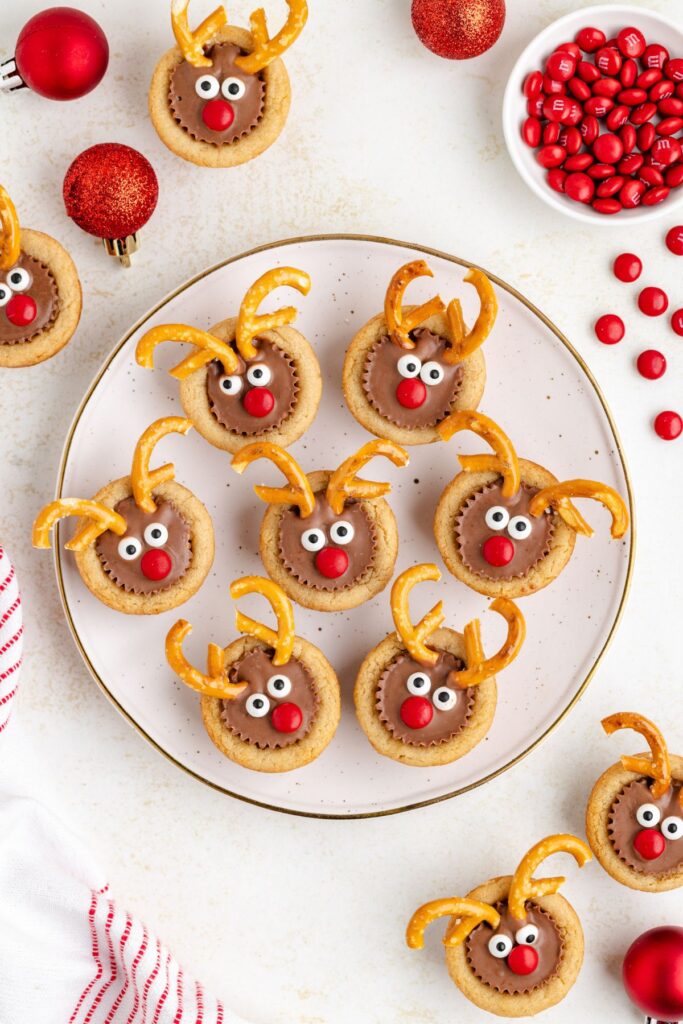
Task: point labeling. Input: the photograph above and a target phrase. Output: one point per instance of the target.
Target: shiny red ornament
(61, 53)
(653, 973)
(458, 29)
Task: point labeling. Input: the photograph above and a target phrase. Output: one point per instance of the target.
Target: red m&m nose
(218, 115)
(498, 551)
(649, 844)
(411, 393)
(523, 960)
(416, 712)
(155, 564)
(287, 717)
(259, 402)
(332, 562)
(21, 310)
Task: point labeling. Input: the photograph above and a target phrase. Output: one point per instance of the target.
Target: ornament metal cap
(10, 79)
(122, 248)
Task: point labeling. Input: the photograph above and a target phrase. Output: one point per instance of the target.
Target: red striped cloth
(11, 637)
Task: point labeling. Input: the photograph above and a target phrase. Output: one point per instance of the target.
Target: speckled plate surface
(538, 389)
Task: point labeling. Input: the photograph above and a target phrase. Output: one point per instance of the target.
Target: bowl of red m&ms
(593, 114)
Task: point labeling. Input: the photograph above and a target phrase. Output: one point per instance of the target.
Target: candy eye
(19, 279)
(313, 540)
(279, 686)
(409, 366)
(519, 528)
(648, 815)
(257, 705)
(156, 535)
(342, 532)
(432, 373)
(259, 375)
(233, 88)
(230, 385)
(672, 828)
(500, 946)
(418, 683)
(207, 87)
(527, 935)
(5, 294)
(497, 518)
(129, 548)
(444, 698)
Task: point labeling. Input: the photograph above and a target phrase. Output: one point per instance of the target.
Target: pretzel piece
(10, 232)
(143, 479)
(415, 637)
(524, 887)
(480, 668)
(103, 518)
(249, 323)
(557, 497)
(267, 49)
(659, 768)
(344, 483)
(464, 343)
(300, 493)
(398, 325)
(504, 461)
(191, 42)
(210, 347)
(468, 913)
(283, 640)
(213, 684)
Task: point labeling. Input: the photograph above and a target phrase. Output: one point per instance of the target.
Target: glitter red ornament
(653, 973)
(111, 190)
(458, 29)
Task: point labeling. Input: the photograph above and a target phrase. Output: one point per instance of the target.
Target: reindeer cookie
(329, 539)
(505, 526)
(514, 946)
(426, 695)
(40, 293)
(252, 377)
(270, 700)
(221, 96)
(144, 543)
(634, 819)
(409, 367)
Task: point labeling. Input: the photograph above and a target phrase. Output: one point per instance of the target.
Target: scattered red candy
(674, 240)
(653, 301)
(677, 322)
(609, 329)
(651, 364)
(628, 267)
(668, 425)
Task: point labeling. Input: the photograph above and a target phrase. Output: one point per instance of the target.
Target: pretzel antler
(464, 343)
(300, 493)
(267, 49)
(523, 887)
(415, 637)
(659, 768)
(557, 496)
(283, 640)
(10, 232)
(479, 667)
(210, 347)
(142, 478)
(249, 324)
(398, 325)
(344, 483)
(468, 914)
(103, 518)
(212, 684)
(191, 42)
(504, 461)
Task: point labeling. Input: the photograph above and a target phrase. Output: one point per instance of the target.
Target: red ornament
(61, 53)
(668, 425)
(156, 564)
(651, 364)
(458, 29)
(653, 301)
(110, 191)
(259, 402)
(609, 329)
(416, 712)
(332, 563)
(287, 717)
(628, 267)
(653, 973)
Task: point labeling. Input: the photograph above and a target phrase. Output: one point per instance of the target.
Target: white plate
(540, 392)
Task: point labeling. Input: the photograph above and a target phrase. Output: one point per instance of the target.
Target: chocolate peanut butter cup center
(260, 396)
(647, 833)
(154, 553)
(29, 301)
(418, 705)
(496, 969)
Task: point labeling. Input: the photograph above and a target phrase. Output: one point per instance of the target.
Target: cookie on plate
(410, 366)
(514, 946)
(252, 377)
(270, 700)
(144, 543)
(505, 526)
(221, 96)
(329, 539)
(40, 293)
(427, 695)
(634, 819)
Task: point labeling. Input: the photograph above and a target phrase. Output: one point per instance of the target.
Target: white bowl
(610, 18)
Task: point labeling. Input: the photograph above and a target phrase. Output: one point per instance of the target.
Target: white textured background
(293, 920)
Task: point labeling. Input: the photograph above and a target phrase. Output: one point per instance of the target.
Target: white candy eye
(648, 815)
(279, 686)
(230, 385)
(19, 279)
(257, 705)
(313, 540)
(432, 373)
(259, 375)
(527, 935)
(500, 946)
(5, 293)
(342, 532)
(233, 88)
(409, 366)
(519, 528)
(156, 535)
(207, 87)
(672, 828)
(497, 518)
(418, 683)
(129, 548)
(444, 698)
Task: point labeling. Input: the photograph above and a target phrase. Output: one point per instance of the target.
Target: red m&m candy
(631, 42)
(677, 322)
(628, 267)
(609, 329)
(674, 240)
(668, 425)
(653, 301)
(651, 364)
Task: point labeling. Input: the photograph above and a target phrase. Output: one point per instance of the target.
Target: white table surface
(294, 920)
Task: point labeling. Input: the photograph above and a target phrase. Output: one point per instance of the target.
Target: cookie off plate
(537, 388)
